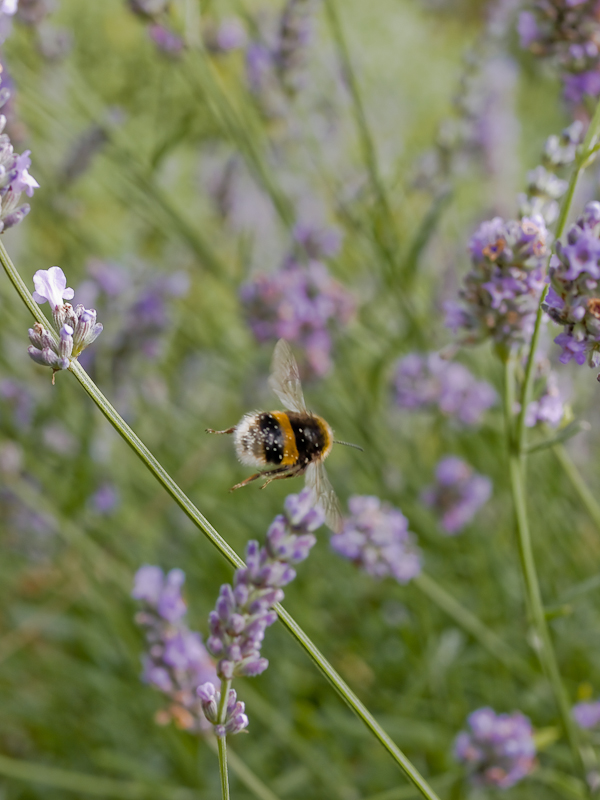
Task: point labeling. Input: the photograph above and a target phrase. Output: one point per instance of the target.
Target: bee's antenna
(349, 444)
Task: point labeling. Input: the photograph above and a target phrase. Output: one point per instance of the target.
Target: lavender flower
(376, 537)
(434, 383)
(244, 610)
(498, 749)
(587, 715)
(295, 33)
(300, 303)
(77, 326)
(177, 662)
(572, 300)
(105, 499)
(149, 8)
(501, 292)
(166, 40)
(229, 35)
(458, 493)
(14, 176)
(549, 408)
(566, 32)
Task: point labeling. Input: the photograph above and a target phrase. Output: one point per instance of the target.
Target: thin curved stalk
(222, 748)
(585, 494)
(216, 539)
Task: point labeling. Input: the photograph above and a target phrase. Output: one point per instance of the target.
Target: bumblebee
(294, 442)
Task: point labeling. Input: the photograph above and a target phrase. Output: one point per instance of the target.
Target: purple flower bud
(587, 715)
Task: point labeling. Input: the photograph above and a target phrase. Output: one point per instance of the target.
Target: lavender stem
(222, 745)
(543, 642)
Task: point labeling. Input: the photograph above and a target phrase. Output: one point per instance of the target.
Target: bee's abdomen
(312, 435)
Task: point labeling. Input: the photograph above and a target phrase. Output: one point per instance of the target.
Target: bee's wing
(285, 378)
(317, 480)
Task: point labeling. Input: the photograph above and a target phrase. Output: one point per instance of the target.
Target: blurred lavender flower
(572, 300)
(177, 662)
(458, 493)
(434, 383)
(105, 499)
(544, 188)
(500, 295)
(587, 715)
(166, 40)
(295, 34)
(498, 749)
(568, 33)
(376, 537)
(77, 326)
(8, 8)
(32, 12)
(317, 241)
(245, 610)
(228, 35)
(300, 303)
(549, 408)
(19, 399)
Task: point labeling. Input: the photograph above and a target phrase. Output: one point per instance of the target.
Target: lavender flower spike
(498, 749)
(376, 538)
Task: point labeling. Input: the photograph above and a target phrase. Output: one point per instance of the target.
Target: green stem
(244, 774)
(222, 746)
(216, 539)
(473, 625)
(573, 474)
(543, 642)
(582, 162)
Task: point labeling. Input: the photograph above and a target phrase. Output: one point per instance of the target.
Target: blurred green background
(71, 697)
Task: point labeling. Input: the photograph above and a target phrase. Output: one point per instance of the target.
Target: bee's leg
(290, 472)
(248, 480)
(229, 430)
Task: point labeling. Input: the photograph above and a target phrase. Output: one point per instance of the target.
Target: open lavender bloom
(458, 493)
(587, 715)
(77, 326)
(376, 537)
(498, 749)
(501, 293)
(573, 298)
(434, 383)
(566, 32)
(177, 662)
(299, 303)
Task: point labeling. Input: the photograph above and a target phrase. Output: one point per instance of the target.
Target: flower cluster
(568, 33)
(245, 610)
(587, 715)
(376, 537)
(434, 383)
(458, 493)
(572, 299)
(77, 326)
(498, 749)
(501, 293)
(300, 302)
(177, 662)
